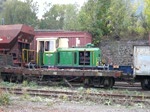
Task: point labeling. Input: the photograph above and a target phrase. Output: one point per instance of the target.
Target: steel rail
(75, 94)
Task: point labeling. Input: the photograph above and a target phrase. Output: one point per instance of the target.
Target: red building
(75, 38)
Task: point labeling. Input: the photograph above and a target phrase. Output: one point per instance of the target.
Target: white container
(141, 61)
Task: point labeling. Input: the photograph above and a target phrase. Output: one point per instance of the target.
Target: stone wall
(120, 52)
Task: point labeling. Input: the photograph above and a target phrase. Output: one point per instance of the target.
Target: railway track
(128, 86)
(79, 95)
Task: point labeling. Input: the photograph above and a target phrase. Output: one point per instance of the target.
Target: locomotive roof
(79, 49)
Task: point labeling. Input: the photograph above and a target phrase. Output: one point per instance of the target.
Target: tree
(71, 17)
(1, 4)
(122, 18)
(18, 12)
(1, 10)
(147, 15)
(92, 18)
(60, 17)
(109, 18)
(54, 18)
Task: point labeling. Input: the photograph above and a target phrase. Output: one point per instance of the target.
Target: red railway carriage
(15, 38)
(75, 38)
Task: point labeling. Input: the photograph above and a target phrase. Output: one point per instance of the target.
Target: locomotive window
(58, 57)
(75, 58)
(49, 46)
(41, 46)
(84, 58)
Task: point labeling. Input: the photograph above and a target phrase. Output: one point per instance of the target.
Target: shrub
(4, 98)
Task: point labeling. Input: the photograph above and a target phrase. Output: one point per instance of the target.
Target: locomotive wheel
(145, 83)
(97, 81)
(87, 82)
(19, 79)
(5, 77)
(108, 82)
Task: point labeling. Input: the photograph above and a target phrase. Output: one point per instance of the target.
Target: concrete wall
(120, 52)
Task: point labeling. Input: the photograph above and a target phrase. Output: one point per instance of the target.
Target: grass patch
(4, 98)
(29, 84)
(7, 84)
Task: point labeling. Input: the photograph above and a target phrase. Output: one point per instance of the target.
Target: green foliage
(32, 84)
(113, 18)
(71, 17)
(121, 18)
(7, 84)
(29, 84)
(60, 17)
(17, 12)
(1, 10)
(25, 96)
(25, 83)
(102, 18)
(4, 98)
(1, 5)
(92, 18)
(54, 18)
(147, 14)
(108, 102)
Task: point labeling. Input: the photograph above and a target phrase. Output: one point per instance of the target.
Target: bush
(4, 98)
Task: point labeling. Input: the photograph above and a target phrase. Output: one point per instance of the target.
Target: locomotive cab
(46, 51)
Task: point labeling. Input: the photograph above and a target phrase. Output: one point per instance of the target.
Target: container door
(141, 60)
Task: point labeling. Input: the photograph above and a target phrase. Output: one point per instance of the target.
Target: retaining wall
(120, 52)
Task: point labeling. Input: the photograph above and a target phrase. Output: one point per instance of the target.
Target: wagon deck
(62, 72)
(96, 78)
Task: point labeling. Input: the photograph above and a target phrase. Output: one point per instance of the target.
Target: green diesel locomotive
(52, 52)
(73, 57)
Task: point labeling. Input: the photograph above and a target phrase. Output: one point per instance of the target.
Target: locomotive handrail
(25, 57)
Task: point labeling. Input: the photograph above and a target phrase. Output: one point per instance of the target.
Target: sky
(41, 4)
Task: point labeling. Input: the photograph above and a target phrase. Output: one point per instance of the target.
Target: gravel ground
(26, 103)
(67, 107)
(56, 105)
